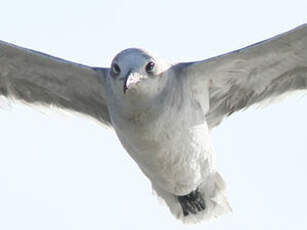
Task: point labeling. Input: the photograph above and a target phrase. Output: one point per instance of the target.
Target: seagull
(163, 113)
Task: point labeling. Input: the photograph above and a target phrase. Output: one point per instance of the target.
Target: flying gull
(163, 113)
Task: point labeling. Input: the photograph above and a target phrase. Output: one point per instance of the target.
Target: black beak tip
(125, 88)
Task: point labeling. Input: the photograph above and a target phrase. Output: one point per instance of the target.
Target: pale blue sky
(60, 171)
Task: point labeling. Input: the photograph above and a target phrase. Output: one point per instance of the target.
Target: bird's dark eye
(150, 67)
(115, 69)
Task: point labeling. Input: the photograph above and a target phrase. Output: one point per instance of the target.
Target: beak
(125, 82)
(130, 79)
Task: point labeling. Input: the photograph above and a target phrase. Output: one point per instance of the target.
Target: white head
(136, 74)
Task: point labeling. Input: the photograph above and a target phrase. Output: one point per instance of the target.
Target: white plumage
(163, 113)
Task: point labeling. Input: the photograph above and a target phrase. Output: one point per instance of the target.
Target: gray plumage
(39, 78)
(163, 113)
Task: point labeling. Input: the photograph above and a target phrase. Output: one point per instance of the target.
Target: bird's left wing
(252, 74)
(38, 78)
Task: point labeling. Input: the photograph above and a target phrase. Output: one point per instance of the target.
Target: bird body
(166, 133)
(167, 136)
(153, 132)
(163, 113)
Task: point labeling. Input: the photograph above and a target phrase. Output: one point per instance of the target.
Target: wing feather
(250, 75)
(38, 78)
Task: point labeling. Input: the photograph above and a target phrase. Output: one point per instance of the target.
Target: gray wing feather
(38, 78)
(250, 75)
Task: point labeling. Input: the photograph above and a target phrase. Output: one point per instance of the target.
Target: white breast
(174, 150)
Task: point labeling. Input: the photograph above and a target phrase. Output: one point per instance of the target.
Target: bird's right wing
(38, 78)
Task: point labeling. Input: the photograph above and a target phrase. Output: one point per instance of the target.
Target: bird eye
(149, 67)
(115, 69)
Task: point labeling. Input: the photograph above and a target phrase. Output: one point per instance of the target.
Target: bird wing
(250, 75)
(38, 78)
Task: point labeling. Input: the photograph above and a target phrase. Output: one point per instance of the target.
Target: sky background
(61, 171)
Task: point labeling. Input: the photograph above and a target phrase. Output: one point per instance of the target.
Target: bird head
(136, 73)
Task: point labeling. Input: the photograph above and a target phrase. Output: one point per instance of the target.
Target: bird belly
(177, 159)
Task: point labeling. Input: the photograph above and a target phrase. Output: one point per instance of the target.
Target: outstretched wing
(252, 74)
(38, 78)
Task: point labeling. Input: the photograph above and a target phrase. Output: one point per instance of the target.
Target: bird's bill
(131, 79)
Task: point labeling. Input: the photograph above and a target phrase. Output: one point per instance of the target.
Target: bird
(163, 113)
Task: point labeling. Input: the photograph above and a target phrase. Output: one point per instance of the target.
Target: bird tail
(212, 192)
